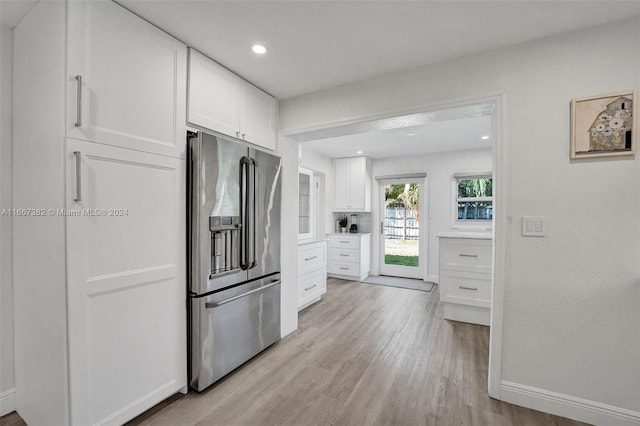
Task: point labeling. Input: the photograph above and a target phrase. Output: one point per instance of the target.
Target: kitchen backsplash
(364, 220)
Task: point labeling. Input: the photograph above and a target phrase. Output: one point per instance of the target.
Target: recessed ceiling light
(358, 152)
(259, 49)
(411, 134)
(484, 138)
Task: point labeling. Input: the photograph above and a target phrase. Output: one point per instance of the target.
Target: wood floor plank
(365, 354)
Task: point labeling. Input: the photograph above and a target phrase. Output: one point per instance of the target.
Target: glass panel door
(400, 226)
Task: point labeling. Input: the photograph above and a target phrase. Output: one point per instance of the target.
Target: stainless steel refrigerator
(234, 255)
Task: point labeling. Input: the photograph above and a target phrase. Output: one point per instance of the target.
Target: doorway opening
(401, 251)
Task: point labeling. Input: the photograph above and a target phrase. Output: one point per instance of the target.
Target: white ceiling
(315, 45)
(12, 11)
(432, 136)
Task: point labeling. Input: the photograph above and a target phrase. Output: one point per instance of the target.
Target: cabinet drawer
(344, 268)
(465, 288)
(466, 255)
(310, 257)
(344, 242)
(344, 255)
(311, 284)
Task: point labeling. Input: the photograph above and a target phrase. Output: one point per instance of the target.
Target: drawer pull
(468, 288)
(344, 255)
(344, 269)
(309, 288)
(468, 255)
(344, 242)
(311, 258)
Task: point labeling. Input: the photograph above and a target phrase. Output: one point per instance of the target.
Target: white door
(258, 117)
(126, 280)
(126, 82)
(214, 96)
(402, 240)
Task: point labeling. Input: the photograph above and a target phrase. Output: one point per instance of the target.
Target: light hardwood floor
(364, 355)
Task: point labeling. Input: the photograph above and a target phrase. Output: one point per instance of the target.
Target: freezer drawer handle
(311, 258)
(231, 299)
(468, 288)
(468, 255)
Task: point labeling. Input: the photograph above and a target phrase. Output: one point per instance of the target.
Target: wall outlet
(533, 226)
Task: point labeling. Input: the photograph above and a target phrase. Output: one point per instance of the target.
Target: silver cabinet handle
(309, 288)
(344, 242)
(231, 299)
(78, 155)
(311, 258)
(344, 255)
(79, 101)
(344, 269)
(468, 288)
(468, 255)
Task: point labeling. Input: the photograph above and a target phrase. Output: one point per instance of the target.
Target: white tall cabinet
(353, 184)
(99, 265)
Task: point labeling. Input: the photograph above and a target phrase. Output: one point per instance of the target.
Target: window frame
(483, 224)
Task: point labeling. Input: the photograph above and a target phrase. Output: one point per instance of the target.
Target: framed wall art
(603, 126)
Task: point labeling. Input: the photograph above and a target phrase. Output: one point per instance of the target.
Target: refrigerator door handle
(210, 305)
(244, 213)
(252, 214)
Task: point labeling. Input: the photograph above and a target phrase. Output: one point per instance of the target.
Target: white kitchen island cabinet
(353, 184)
(466, 265)
(126, 80)
(221, 101)
(99, 264)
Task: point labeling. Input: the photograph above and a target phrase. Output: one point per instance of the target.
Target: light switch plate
(533, 226)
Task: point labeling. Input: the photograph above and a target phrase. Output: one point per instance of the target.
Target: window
(473, 200)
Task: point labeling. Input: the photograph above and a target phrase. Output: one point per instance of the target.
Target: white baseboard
(7, 401)
(432, 279)
(568, 406)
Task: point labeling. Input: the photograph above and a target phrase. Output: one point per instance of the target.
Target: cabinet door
(343, 182)
(258, 117)
(126, 280)
(357, 182)
(132, 91)
(214, 96)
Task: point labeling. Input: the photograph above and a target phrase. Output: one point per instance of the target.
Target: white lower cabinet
(465, 279)
(312, 273)
(349, 256)
(125, 289)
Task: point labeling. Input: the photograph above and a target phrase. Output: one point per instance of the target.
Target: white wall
(437, 209)
(7, 403)
(572, 299)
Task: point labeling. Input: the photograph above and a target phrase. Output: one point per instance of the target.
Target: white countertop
(467, 234)
(355, 234)
(311, 241)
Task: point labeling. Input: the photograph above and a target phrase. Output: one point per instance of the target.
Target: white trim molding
(7, 401)
(568, 406)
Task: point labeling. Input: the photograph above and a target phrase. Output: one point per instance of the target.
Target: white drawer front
(466, 255)
(310, 257)
(344, 255)
(344, 242)
(312, 284)
(465, 288)
(344, 268)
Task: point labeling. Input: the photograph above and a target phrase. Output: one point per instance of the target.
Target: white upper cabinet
(126, 81)
(353, 184)
(221, 101)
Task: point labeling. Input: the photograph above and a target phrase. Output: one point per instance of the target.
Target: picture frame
(603, 126)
